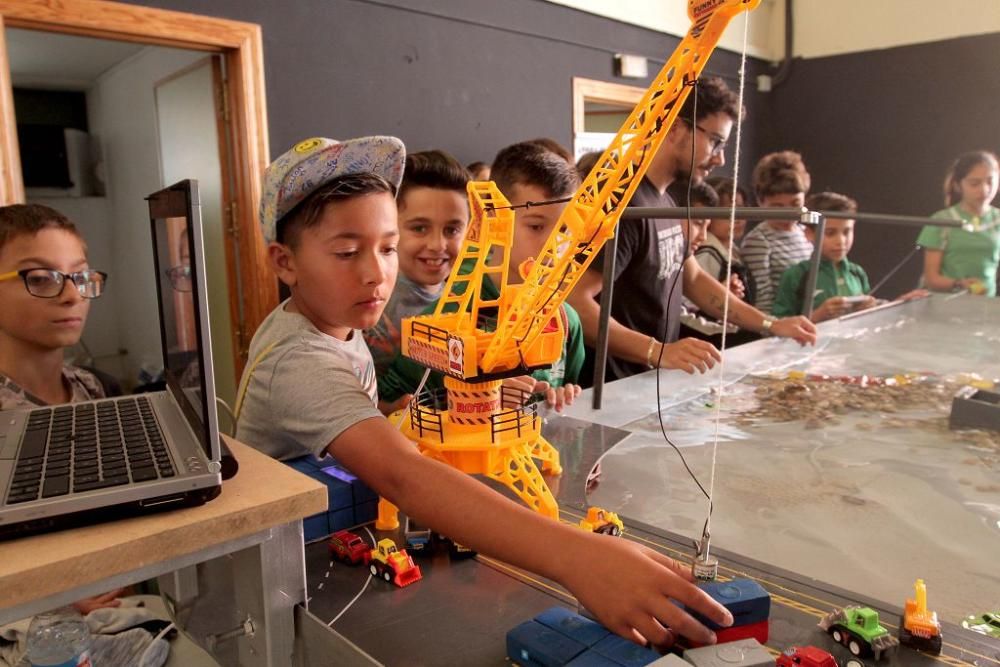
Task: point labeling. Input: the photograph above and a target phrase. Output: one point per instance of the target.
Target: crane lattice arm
(527, 332)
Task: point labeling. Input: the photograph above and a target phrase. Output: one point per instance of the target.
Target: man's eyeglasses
(716, 143)
(180, 277)
(48, 283)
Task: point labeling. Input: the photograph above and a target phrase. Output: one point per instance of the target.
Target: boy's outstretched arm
(626, 586)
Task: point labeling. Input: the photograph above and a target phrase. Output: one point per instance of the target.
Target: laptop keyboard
(75, 448)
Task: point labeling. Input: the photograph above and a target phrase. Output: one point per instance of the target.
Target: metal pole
(819, 225)
(607, 285)
(756, 213)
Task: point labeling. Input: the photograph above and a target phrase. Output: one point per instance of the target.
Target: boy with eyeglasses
(46, 286)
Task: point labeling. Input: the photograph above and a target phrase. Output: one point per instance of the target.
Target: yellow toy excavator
(920, 628)
(476, 424)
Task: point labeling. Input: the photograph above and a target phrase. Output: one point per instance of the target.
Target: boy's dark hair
(723, 186)
(831, 201)
(960, 168)
(473, 167)
(701, 193)
(553, 146)
(309, 211)
(433, 169)
(29, 219)
(530, 164)
(781, 173)
(586, 163)
(713, 96)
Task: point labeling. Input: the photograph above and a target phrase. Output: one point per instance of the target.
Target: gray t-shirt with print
(306, 388)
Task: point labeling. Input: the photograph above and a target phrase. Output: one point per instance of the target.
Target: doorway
(169, 54)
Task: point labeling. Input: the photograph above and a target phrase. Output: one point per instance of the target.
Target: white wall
(670, 16)
(845, 26)
(122, 115)
(822, 27)
(189, 148)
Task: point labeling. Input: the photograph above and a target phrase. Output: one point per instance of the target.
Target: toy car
(986, 624)
(602, 521)
(418, 538)
(348, 547)
(805, 656)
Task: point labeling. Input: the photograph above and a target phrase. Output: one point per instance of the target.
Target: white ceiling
(65, 62)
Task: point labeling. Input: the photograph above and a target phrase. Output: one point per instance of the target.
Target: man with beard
(645, 312)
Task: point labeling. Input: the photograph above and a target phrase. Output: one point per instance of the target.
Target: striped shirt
(768, 253)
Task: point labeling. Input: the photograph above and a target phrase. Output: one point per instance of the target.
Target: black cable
(896, 268)
(666, 322)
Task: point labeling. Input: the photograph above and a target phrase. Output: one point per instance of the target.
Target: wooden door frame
(241, 46)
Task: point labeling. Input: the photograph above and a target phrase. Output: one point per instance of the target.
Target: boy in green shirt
(524, 172)
(841, 285)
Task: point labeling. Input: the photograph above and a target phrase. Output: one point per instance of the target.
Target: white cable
(729, 276)
(229, 411)
(367, 581)
(416, 394)
(162, 633)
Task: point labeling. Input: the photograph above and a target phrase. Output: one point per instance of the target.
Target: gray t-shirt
(408, 299)
(306, 390)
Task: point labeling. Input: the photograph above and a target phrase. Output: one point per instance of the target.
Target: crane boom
(592, 215)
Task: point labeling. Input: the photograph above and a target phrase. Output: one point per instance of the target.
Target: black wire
(666, 322)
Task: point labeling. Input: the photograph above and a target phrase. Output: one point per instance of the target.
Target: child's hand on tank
(628, 587)
(832, 308)
(798, 328)
(557, 397)
(527, 384)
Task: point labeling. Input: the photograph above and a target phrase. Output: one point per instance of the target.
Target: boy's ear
(282, 262)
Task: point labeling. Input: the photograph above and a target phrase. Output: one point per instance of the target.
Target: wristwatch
(766, 325)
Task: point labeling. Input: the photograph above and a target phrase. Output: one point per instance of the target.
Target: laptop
(80, 463)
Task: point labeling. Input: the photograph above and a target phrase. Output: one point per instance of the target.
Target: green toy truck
(858, 629)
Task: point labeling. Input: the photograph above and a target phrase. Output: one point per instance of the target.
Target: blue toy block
(365, 512)
(532, 644)
(341, 519)
(339, 493)
(572, 625)
(745, 599)
(315, 527)
(593, 659)
(624, 652)
(362, 493)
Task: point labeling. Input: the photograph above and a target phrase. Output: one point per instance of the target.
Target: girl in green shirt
(966, 258)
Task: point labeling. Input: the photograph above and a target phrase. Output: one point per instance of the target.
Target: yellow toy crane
(477, 425)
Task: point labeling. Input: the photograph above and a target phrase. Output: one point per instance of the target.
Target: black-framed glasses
(180, 277)
(716, 143)
(48, 283)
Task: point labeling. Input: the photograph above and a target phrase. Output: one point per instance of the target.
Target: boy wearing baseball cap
(329, 218)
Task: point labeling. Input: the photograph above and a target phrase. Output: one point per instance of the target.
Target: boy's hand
(107, 601)
(830, 309)
(387, 407)
(628, 587)
(525, 383)
(689, 355)
(798, 328)
(912, 295)
(557, 397)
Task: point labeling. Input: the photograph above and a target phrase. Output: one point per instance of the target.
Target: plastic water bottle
(59, 638)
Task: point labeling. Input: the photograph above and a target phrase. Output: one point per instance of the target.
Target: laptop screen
(178, 251)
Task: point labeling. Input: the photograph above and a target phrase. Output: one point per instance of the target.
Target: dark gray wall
(468, 76)
(882, 127)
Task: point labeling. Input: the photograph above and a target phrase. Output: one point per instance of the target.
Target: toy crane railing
(529, 332)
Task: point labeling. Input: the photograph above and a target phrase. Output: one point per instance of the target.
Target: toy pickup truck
(348, 547)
